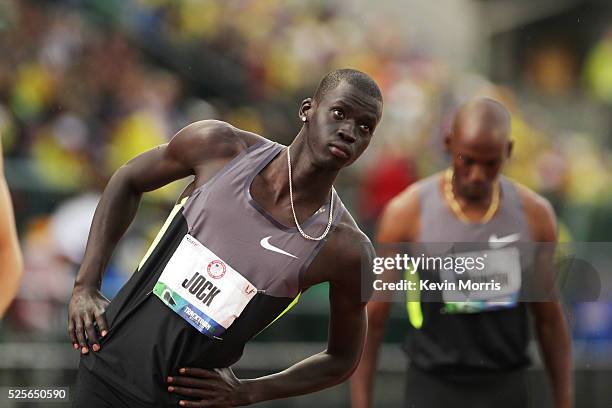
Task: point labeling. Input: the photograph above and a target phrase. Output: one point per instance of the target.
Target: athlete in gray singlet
(236, 251)
(472, 354)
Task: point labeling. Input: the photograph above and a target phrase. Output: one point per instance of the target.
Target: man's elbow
(343, 368)
(123, 179)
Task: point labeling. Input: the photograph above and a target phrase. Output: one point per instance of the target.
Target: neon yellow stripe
(293, 303)
(413, 300)
(162, 231)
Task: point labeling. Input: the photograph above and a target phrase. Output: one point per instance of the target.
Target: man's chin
(475, 193)
(332, 163)
(332, 166)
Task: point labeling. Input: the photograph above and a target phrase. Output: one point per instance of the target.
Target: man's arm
(11, 262)
(339, 263)
(399, 223)
(551, 327)
(186, 154)
(346, 334)
(555, 344)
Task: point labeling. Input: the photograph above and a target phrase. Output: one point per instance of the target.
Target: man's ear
(304, 108)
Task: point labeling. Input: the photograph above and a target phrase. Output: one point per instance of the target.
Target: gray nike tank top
(222, 215)
(257, 259)
(457, 340)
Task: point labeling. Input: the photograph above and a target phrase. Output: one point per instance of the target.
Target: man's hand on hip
(209, 388)
(85, 311)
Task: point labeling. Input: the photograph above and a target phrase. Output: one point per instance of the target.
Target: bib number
(202, 288)
(497, 286)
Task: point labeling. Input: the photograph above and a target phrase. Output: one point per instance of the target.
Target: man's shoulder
(532, 201)
(204, 141)
(406, 201)
(400, 219)
(347, 231)
(539, 212)
(339, 260)
(347, 244)
(344, 246)
(212, 131)
(409, 199)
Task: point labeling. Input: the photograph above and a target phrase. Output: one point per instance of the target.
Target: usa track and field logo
(216, 269)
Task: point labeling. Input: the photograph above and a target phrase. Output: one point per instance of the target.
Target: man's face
(341, 125)
(477, 161)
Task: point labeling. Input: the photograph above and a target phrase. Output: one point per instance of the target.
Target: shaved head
(479, 144)
(482, 116)
(358, 79)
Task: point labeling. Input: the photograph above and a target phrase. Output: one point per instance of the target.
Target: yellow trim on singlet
(293, 303)
(413, 300)
(162, 231)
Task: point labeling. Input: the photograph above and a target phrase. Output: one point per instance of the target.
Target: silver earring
(304, 119)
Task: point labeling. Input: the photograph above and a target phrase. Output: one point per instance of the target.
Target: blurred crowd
(87, 84)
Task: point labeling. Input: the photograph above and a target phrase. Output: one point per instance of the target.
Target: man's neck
(310, 183)
(473, 204)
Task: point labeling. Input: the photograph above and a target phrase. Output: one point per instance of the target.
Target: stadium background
(87, 84)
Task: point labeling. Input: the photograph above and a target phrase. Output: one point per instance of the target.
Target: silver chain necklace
(331, 207)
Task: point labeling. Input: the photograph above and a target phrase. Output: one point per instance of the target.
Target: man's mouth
(476, 190)
(339, 151)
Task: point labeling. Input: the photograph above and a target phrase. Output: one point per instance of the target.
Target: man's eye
(468, 161)
(365, 128)
(338, 114)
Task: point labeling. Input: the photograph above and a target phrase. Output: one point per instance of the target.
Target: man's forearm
(114, 213)
(11, 260)
(556, 349)
(362, 381)
(315, 373)
(10, 275)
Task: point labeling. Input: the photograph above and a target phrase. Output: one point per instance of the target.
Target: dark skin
(479, 146)
(336, 131)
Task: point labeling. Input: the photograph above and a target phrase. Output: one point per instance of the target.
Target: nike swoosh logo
(265, 242)
(495, 242)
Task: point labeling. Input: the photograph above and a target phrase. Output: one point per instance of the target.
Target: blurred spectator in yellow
(598, 69)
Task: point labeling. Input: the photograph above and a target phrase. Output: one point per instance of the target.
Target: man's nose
(477, 174)
(347, 133)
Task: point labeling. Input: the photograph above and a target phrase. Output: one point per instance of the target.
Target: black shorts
(92, 392)
(499, 390)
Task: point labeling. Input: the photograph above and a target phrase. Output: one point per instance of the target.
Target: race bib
(496, 286)
(203, 289)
